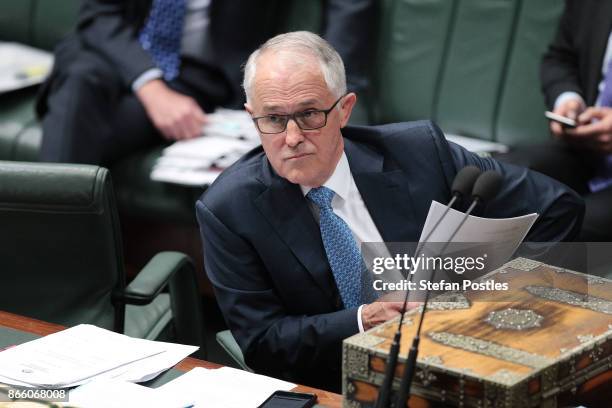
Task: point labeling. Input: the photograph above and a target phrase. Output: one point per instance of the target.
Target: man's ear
(248, 108)
(346, 107)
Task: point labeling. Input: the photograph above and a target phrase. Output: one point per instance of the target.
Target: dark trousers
(92, 117)
(574, 168)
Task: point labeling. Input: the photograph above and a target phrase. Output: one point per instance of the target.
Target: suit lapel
(385, 194)
(286, 209)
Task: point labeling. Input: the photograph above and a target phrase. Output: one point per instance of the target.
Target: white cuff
(569, 95)
(359, 322)
(147, 76)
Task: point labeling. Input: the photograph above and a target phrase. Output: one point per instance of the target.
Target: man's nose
(294, 134)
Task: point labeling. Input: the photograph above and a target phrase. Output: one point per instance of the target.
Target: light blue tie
(342, 251)
(162, 33)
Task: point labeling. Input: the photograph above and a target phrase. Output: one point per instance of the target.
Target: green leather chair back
(470, 65)
(52, 20)
(521, 103)
(15, 20)
(41, 23)
(60, 248)
(302, 15)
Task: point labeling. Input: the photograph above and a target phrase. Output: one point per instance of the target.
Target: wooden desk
(38, 327)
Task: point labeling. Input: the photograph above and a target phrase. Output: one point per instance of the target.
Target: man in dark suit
(575, 72)
(140, 71)
(280, 228)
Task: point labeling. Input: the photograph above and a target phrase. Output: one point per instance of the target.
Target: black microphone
(486, 187)
(460, 189)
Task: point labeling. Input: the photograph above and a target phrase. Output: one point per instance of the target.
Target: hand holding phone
(562, 120)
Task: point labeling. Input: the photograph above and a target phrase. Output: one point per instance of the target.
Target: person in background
(140, 72)
(282, 227)
(576, 76)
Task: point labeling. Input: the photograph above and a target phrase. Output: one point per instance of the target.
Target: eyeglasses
(307, 120)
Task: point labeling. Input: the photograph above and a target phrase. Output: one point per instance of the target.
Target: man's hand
(175, 115)
(594, 131)
(570, 108)
(380, 311)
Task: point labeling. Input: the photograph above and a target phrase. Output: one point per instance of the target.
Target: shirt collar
(339, 181)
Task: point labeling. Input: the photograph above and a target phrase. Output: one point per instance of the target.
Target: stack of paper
(227, 135)
(83, 353)
(21, 66)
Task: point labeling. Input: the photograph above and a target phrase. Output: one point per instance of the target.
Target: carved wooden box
(541, 343)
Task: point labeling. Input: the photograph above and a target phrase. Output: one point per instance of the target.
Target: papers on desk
(503, 236)
(83, 353)
(219, 388)
(227, 135)
(22, 66)
(224, 387)
(120, 394)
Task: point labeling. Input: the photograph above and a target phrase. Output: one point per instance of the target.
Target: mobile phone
(288, 399)
(563, 120)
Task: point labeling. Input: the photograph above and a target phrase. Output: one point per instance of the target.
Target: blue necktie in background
(341, 248)
(162, 33)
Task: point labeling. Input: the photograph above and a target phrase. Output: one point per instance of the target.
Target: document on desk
(146, 368)
(224, 387)
(72, 356)
(502, 236)
(120, 394)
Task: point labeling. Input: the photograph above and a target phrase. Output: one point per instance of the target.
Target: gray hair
(300, 44)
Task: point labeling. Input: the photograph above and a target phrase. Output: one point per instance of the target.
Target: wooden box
(544, 342)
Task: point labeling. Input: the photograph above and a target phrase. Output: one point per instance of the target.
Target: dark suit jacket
(265, 257)
(574, 60)
(237, 27)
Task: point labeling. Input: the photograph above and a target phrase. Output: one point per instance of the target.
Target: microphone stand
(385, 388)
(410, 365)
(486, 187)
(462, 185)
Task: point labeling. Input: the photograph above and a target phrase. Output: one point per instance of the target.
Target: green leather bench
(470, 65)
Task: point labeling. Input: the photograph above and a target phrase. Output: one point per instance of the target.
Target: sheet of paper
(22, 65)
(72, 355)
(150, 367)
(224, 387)
(120, 394)
(502, 236)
